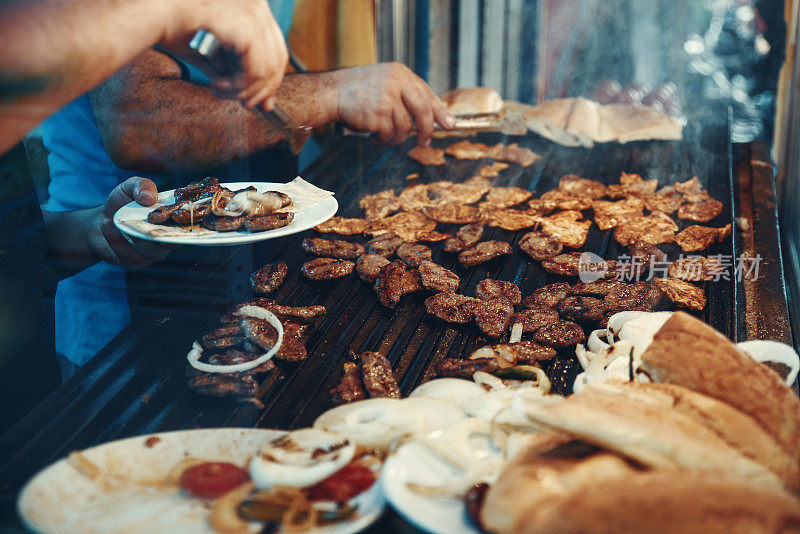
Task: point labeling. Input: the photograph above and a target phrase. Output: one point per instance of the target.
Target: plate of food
(209, 480)
(209, 213)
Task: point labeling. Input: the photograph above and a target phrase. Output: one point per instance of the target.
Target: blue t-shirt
(92, 306)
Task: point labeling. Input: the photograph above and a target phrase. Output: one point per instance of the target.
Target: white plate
(61, 500)
(440, 515)
(308, 218)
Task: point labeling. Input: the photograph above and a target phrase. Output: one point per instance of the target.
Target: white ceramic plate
(439, 515)
(308, 218)
(62, 500)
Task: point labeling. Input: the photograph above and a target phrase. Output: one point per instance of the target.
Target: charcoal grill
(137, 384)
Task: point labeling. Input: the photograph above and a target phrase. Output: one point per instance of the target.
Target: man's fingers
(420, 108)
(120, 251)
(403, 125)
(142, 190)
(443, 116)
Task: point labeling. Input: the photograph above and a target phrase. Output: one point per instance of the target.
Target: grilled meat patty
(332, 248)
(269, 277)
(327, 268)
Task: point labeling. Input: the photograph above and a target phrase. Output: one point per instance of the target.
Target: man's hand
(389, 99)
(246, 26)
(108, 244)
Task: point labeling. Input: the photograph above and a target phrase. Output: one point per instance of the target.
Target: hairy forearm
(68, 244)
(152, 121)
(54, 50)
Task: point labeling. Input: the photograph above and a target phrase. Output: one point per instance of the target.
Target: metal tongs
(221, 61)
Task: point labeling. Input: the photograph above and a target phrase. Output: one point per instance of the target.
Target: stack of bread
(711, 445)
(567, 121)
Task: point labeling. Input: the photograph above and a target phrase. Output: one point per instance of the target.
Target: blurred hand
(108, 244)
(389, 99)
(247, 27)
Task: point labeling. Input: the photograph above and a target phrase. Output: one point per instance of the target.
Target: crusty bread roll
(735, 428)
(625, 123)
(584, 121)
(529, 481)
(473, 101)
(688, 352)
(647, 432)
(668, 503)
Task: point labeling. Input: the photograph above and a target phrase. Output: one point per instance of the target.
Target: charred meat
(534, 318)
(369, 265)
(384, 245)
(223, 224)
(452, 307)
(298, 313)
(560, 334)
(273, 221)
(350, 388)
(493, 316)
(343, 226)
(197, 190)
(437, 278)
(269, 277)
(190, 215)
(696, 269)
(520, 353)
(489, 289)
(466, 237)
(332, 248)
(540, 246)
(327, 268)
(682, 293)
(222, 338)
(162, 214)
(390, 283)
(697, 237)
(376, 372)
(640, 296)
(458, 368)
(580, 308)
(379, 205)
(549, 295)
(484, 252)
(237, 385)
(413, 254)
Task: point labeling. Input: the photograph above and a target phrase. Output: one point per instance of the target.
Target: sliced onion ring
(249, 311)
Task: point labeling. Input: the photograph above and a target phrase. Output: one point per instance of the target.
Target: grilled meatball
(384, 245)
(223, 224)
(269, 277)
(376, 372)
(484, 252)
(437, 278)
(162, 214)
(548, 295)
(413, 254)
(560, 334)
(272, 221)
(466, 237)
(489, 289)
(369, 265)
(332, 248)
(493, 316)
(327, 269)
(452, 307)
(580, 308)
(390, 282)
(191, 214)
(540, 246)
(458, 368)
(350, 388)
(534, 318)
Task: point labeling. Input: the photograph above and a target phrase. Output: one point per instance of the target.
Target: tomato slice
(343, 485)
(210, 480)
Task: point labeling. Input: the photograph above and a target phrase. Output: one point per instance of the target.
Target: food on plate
(581, 308)
(535, 317)
(268, 222)
(682, 293)
(369, 265)
(223, 224)
(332, 248)
(567, 226)
(384, 245)
(655, 228)
(489, 289)
(540, 246)
(466, 237)
(427, 155)
(342, 226)
(483, 252)
(327, 268)
(437, 278)
(548, 296)
(559, 334)
(720, 370)
(248, 202)
(453, 213)
(389, 284)
(610, 214)
(379, 205)
(695, 237)
(696, 269)
(493, 316)
(197, 190)
(412, 254)
(452, 307)
(473, 101)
